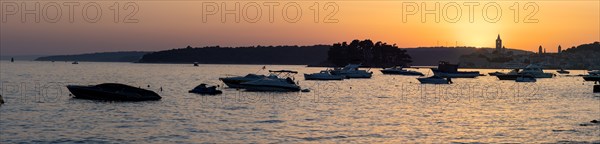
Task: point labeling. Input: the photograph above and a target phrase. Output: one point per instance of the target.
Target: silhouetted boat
(75, 62)
(562, 71)
(594, 72)
(278, 81)
(112, 92)
(595, 78)
(352, 71)
(512, 75)
(536, 71)
(495, 73)
(525, 78)
(196, 64)
(434, 80)
(234, 82)
(323, 75)
(204, 90)
(272, 84)
(400, 71)
(532, 70)
(447, 70)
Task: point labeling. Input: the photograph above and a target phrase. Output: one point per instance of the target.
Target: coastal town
(585, 56)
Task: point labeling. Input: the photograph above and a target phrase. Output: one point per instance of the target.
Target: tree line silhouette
(366, 52)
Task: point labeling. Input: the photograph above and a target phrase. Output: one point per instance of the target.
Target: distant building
(559, 49)
(540, 50)
(499, 44)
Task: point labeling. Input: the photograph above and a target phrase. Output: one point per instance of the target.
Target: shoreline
(306, 65)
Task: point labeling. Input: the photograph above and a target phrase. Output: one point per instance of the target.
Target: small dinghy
(204, 90)
(112, 92)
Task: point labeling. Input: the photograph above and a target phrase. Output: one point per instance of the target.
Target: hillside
(300, 55)
(132, 56)
(293, 55)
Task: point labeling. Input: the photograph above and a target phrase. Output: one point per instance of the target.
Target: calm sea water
(385, 108)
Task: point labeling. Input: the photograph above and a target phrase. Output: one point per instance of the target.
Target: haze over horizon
(162, 25)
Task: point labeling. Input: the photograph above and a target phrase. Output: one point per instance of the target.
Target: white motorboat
(278, 81)
(525, 78)
(532, 70)
(536, 72)
(272, 84)
(323, 75)
(434, 80)
(352, 71)
(400, 71)
(235, 82)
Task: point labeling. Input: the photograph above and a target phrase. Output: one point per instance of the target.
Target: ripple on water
(235, 107)
(333, 112)
(340, 137)
(270, 121)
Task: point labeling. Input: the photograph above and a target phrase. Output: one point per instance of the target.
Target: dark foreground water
(394, 109)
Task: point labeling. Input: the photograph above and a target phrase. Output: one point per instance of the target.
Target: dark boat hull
(319, 76)
(507, 77)
(235, 82)
(401, 73)
(123, 94)
(215, 92)
(591, 78)
(455, 74)
(270, 88)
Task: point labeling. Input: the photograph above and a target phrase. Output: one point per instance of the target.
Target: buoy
(596, 88)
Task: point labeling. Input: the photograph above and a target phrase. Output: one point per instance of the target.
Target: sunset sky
(165, 25)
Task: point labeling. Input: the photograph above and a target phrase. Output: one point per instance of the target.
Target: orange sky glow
(160, 25)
